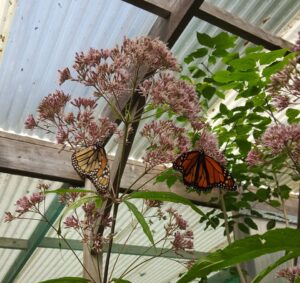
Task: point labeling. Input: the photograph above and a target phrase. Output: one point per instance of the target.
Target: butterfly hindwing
(92, 163)
(202, 171)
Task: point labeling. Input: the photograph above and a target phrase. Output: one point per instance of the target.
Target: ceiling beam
(36, 158)
(54, 243)
(155, 7)
(231, 23)
(222, 19)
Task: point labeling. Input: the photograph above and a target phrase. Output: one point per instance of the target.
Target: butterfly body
(92, 163)
(202, 172)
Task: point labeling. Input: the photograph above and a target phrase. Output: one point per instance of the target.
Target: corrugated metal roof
(43, 38)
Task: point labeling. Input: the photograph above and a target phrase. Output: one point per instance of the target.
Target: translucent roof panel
(14, 187)
(7, 257)
(44, 37)
(50, 264)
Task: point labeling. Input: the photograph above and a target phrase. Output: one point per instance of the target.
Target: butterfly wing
(92, 163)
(203, 172)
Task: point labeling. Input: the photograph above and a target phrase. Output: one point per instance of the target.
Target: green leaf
(224, 40)
(208, 92)
(253, 49)
(250, 223)
(263, 194)
(201, 52)
(292, 115)
(212, 59)
(243, 228)
(243, 250)
(269, 57)
(67, 280)
(244, 146)
(272, 266)
(198, 74)
(223, 109)
(274, 203)
(140, 218)
(63, 191)
(205, 39)
(117, 280)
(243, 64)
(271, 224)
(165, 196)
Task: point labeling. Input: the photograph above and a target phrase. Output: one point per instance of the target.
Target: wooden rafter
(224, 20)
(25, 156)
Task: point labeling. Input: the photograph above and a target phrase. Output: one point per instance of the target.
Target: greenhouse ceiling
(40, 37)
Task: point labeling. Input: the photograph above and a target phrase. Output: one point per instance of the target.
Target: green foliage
(246, 249)
(165, 196)
(67, 280)
(140, 218)
(168, 176)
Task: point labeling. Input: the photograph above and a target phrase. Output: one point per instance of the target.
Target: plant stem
(67, 243)
(298, 223)
(223, 207)
(116, 204)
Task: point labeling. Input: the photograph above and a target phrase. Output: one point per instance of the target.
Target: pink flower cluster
(254, 157)
(166, 141)
(113, 72)
(176, 95)
(87, 224)
(183, 241)
(289, 273)
(27, 204)
(209, 144)
(285, 86)
(277, 139)
(75, 128)
(176, 229)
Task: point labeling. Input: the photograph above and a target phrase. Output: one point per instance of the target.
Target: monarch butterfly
(202, 172)
(92, 163)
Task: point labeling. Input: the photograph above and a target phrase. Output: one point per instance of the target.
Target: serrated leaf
(140, 218)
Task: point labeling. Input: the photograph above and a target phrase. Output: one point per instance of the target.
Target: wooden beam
(224, 20)
(237, 26)
(154, 6)
(169, 30)
(31, 157)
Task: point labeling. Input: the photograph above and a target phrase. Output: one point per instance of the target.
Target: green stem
(223, 207)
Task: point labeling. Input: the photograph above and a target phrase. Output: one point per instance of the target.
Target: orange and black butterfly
(202, 172)
(92, 163)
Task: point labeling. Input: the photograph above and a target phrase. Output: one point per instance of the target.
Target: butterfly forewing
(92, 163)
(202, 171)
